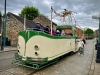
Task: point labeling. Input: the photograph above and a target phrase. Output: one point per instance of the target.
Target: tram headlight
(36, 47)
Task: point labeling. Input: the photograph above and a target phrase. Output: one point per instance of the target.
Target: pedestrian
(58, 33)
(52, 31)
(37, 27)
(81, 47)
(47, 29)
(84, 40)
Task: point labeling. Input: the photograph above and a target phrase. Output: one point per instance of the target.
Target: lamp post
(2, 32)
(4, 42)
(98, 44)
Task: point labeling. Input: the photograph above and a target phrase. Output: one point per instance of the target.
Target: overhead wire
(76, 21)
(69, 3)
(72, 14)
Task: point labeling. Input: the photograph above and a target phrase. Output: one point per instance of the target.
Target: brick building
(68, 29)
(96, 32)
(79, 32)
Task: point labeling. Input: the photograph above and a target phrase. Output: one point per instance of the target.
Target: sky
(85, 9)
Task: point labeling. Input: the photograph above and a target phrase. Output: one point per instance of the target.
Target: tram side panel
(51, 48)
(21, 45)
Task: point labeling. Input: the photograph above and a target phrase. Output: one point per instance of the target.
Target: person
(63, 33)
(70, 34)
(81, 47)
(52, 32)
(96, 40)
(84, 41)
(37, 27)
(58, 33)
(46, 29)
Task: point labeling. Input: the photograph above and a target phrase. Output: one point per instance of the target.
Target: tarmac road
(6, 59)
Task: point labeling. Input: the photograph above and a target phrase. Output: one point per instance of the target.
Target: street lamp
(98, 44)
(5, 25)
(2, 32)
(4, 28)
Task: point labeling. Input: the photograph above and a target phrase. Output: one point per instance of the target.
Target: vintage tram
(37, 49)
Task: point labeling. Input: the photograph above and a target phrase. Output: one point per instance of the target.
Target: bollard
(95, 46)
(98, 53)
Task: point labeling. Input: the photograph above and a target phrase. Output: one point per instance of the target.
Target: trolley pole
(98, 44)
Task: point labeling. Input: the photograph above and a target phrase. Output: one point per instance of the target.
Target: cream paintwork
(21, 43)
(51, 48)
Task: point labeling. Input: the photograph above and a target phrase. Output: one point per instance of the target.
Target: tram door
(76, 44)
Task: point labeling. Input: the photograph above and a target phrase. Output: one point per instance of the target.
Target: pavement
(73, 65)
(8, 48)
(95, 67)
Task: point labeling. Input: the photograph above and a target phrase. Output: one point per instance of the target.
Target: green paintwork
(19, 57)
(30, 33)
(33, 64)
(64, 27)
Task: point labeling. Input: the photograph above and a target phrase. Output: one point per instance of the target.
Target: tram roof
(64, 27)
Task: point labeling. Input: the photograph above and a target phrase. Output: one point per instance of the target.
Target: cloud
(85, 9)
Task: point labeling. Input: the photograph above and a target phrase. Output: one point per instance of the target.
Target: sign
(94, 17)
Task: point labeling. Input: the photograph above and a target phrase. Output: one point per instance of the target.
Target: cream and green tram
(37, 49)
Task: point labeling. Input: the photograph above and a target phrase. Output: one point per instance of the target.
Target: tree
(89, 32)
(30, 11)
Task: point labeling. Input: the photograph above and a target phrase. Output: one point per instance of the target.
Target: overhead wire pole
(4, 42)
(99, 29)
(51, 19)
(98, 44)
(24, 21)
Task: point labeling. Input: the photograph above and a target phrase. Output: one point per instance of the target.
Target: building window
(8, 17)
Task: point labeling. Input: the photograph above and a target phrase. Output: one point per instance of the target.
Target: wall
(79, 32)
(44, 21)
(12, 29)
(68, 31)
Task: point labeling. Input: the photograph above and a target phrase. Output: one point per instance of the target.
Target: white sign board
(94, 17)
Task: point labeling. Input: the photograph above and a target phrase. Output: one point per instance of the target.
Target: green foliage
(89, 32)
(30, 11)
